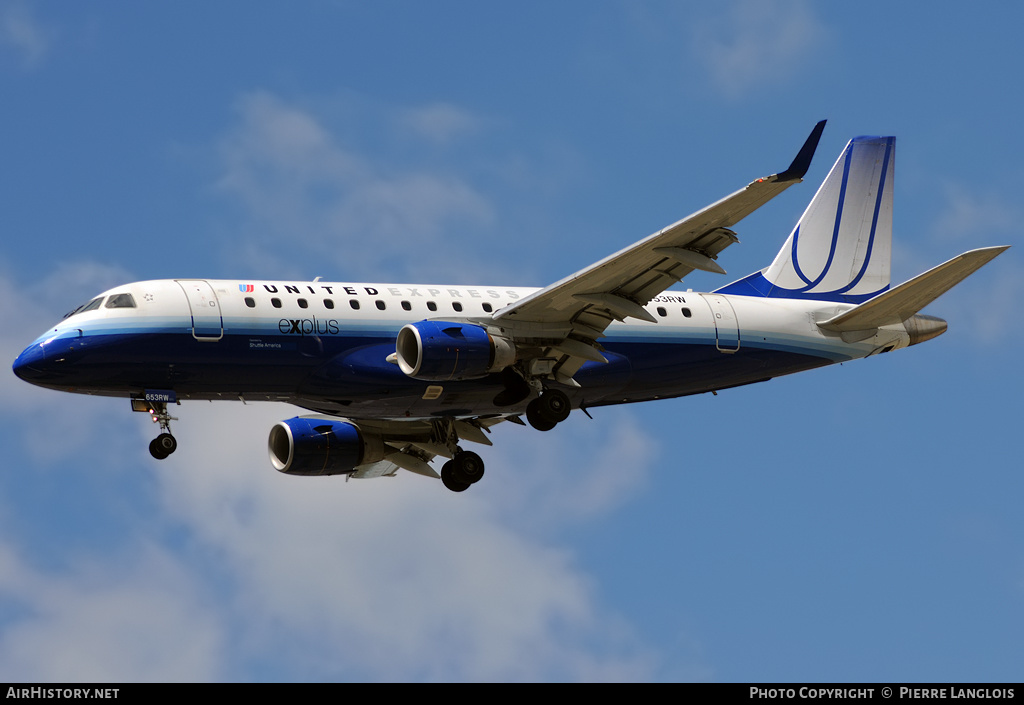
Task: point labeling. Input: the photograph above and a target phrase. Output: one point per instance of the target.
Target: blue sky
(857, 523)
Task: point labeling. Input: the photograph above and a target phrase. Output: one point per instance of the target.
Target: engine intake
(313, 446)
(441, 351)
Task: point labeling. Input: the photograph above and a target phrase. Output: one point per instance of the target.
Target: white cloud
(985, 306)
(303, 190)
(757, 42)
(970, 215)
(389, 579)
(36, 304)
(397, 578)
(980, 307)
(142, 620)
(439, 122)
(586, 468)
(54, 425)
(20, 31)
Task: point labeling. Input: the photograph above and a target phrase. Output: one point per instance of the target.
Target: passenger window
(380, 305)
(328, 303)
(354, 303)
(303, 303)
(407, 306)
(686, 312)
(488, 308)
(662, 312)
(431, 305)
(121, 301)
(250, 302)
(276, 303)
(456, 305)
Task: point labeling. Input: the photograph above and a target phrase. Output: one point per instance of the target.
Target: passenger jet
(397, 375)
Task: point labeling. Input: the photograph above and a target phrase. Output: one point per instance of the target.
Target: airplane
(398, 375)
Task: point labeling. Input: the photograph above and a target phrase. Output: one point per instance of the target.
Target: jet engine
(440, 351)
(314, 446)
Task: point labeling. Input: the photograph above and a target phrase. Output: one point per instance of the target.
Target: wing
(570, 315)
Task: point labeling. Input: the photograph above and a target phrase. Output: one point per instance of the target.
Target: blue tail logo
(841, 247)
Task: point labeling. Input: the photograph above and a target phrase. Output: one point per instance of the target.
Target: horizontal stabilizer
(902, 302)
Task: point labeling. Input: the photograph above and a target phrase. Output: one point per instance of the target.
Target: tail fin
(841, 247)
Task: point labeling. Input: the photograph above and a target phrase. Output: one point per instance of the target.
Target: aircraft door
(727, 332)
(207, 323)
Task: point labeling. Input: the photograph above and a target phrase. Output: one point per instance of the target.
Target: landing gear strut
(164, 444)
(548, 410)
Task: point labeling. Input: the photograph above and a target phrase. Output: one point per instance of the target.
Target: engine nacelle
(313, 446)
(440, 351)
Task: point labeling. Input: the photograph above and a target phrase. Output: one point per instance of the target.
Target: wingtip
(802, 161)
(986, 253)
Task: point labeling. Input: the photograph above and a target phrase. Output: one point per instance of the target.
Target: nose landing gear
(164, 444)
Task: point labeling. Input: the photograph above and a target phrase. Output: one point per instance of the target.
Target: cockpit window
(91, 306)
(121, 301)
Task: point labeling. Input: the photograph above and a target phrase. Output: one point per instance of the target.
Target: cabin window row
(355, 305)
(663, 312)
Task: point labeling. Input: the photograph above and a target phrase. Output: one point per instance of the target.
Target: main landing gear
(465, 469)
(548, 410)
(164, 444)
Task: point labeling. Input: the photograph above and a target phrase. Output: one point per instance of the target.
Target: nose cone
(30, 364)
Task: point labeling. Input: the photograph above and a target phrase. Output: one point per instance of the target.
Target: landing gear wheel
(449, 480)
(162, 446)
(468, 467)
(554, 405)
(167, 443)
(548, 410)
(536, 419)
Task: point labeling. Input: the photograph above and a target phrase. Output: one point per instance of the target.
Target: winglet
(802, 162)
